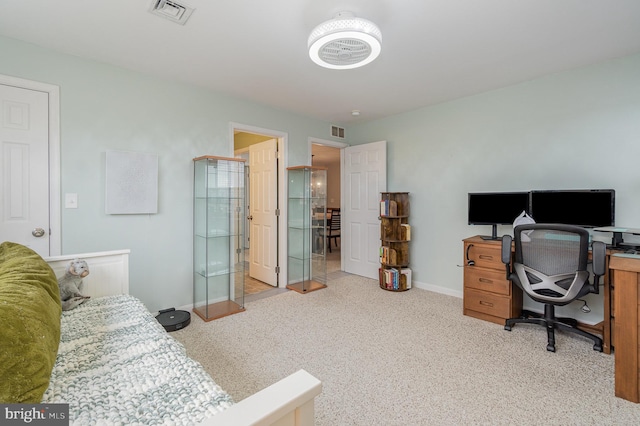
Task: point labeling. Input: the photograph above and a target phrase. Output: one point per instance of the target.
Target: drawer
(485, 255)
(487, 280)
(487, 303)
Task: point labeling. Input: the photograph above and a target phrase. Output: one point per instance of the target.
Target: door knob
(250, 217)
(38, 232)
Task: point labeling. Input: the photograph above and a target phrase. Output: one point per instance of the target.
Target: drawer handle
(485, 280)
(485, 257)
(486, 304)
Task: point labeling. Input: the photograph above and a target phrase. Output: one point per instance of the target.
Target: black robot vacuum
(173, 320)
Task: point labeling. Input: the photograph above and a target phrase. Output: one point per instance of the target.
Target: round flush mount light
(345, 42)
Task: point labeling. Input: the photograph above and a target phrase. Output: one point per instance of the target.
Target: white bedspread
(117, 365)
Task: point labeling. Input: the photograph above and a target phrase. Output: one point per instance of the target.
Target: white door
(24, 157)
(365, 177)
(263, 169)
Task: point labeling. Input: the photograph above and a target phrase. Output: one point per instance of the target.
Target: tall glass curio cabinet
(218, 241)
(306, 228)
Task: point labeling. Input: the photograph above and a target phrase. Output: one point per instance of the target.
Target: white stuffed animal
(71, 284)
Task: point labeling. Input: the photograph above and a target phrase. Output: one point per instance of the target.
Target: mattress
(117, 365)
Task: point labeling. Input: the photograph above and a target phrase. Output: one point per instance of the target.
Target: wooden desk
(626, 275)
(489, 296)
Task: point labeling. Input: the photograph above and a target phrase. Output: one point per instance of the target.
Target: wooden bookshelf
(395, 234)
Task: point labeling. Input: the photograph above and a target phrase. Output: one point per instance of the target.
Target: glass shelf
(306, 227)
(218, 242)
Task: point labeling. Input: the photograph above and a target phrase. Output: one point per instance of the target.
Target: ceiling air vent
(337, 132)
(171, 10)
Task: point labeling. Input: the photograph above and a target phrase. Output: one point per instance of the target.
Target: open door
(263, 170)
(365, 176)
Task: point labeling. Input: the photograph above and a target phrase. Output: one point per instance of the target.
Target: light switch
(71, 201)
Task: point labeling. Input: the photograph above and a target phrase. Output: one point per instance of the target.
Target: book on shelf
(388, 208)
(406, 272)
(388, 255)
(395, 279)
(405, 232)
(388, 278)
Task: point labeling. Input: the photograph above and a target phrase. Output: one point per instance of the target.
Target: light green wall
(109, 108)
(576, 129)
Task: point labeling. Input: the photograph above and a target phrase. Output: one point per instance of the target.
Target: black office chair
(333, 228)
(550, 266)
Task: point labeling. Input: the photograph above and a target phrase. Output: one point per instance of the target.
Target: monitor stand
(627, 246)
(494, 234)
(617, 241)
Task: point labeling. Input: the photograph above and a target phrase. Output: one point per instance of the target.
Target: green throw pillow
(30, 324)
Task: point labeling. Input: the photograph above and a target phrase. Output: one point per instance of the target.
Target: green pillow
(30, 324)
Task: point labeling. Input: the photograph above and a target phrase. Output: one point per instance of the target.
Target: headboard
(108, 271)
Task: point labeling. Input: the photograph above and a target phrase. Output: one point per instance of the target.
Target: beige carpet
(408, 358)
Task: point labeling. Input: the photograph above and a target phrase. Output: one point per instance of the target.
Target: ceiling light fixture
(345, 42)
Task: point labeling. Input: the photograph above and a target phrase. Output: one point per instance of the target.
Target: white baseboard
(438, 289)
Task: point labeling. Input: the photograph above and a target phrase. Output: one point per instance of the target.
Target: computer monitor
(588, 208)
(496, 208)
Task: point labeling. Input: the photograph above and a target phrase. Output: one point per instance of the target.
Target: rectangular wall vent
(337, 132)
(171, 10)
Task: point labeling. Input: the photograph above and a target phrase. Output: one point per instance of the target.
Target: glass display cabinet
(218, 226)
(306, 228)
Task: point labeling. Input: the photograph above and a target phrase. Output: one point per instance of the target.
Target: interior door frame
(53, 91)
(341, 146)
(283, 161)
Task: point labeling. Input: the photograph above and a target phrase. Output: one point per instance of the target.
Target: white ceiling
(433, 50)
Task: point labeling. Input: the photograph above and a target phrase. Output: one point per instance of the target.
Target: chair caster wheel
(551, 348)
(507, 327)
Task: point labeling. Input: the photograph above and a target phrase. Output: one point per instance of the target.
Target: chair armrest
(506, 249)
(506, 253)
(599, 255)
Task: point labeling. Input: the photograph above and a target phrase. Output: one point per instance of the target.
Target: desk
(490, 297)
(626, 275)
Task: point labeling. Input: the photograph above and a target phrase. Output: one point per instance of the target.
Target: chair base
(551, 323)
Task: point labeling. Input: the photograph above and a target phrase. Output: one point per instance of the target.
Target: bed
(114, 364)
